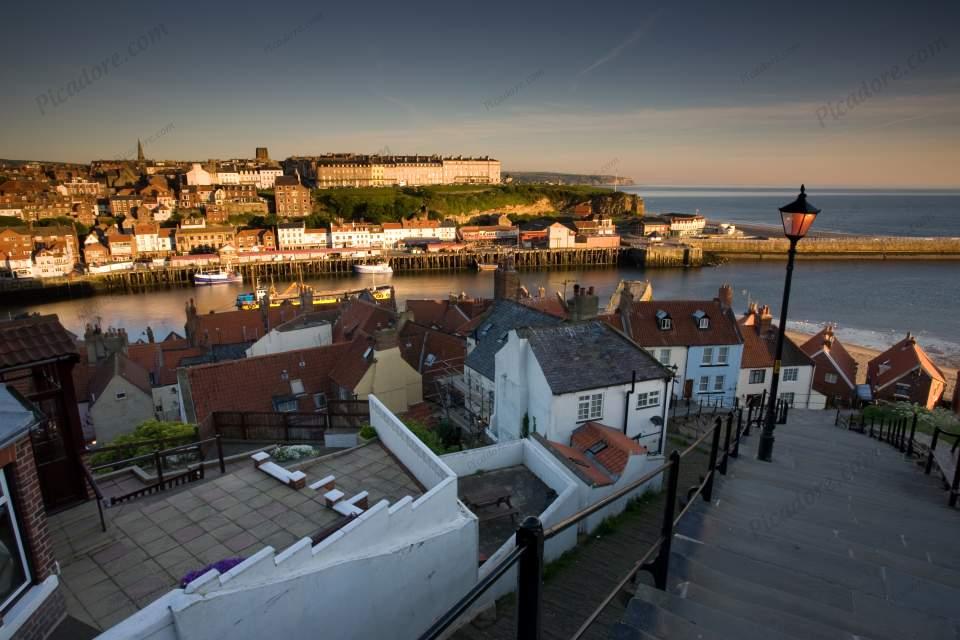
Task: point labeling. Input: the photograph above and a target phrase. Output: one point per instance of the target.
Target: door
(56, 462)
(688, 388)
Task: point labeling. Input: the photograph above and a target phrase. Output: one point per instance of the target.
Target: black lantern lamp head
(798, 216)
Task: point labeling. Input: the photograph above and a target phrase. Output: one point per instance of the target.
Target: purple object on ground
(221, 565)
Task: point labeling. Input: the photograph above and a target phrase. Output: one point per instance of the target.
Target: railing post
(933, 445)
(159, 464)
(223, 467)
(913, 432)
(726, 446)
(954, 486)
(902, 440)
(871, 427)
(736, 443)
(836, 419)
(746, 431)
(243, 425)
(530, 578)
(711, 471)
(660, 567)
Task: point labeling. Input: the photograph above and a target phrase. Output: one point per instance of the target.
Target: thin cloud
(614, 53)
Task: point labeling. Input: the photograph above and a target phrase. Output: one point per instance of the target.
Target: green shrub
(182, 432)
(367, 432)
(427, 436)
(293, 452)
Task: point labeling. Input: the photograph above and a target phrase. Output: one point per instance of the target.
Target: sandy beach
(863, 355)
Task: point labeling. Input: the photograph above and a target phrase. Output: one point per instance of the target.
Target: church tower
(140, 157)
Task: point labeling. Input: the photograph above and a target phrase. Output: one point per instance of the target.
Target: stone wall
(882, 247)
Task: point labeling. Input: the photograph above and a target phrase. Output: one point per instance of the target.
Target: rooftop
(34, 339)
(589, 355)
(503, 316)
(152, 543)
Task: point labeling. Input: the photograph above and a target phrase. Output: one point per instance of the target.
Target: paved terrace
(151, 543)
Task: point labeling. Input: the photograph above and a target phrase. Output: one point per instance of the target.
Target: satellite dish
(657, 420)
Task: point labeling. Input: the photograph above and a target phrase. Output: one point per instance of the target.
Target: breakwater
(836, 248)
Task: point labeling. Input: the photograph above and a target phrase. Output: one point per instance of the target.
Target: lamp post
(797, 218)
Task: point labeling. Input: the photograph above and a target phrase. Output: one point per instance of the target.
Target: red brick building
(835, 375)
(904, 372)
(292, 198)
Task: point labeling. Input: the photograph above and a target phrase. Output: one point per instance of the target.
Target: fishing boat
(376, 267)
(292, 295)
(486, 266)
(216, 276)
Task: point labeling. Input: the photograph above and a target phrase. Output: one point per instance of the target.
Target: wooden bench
(491, 498)
(495, 514)
(293, 479)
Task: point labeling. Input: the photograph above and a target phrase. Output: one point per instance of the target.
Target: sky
(681, 93)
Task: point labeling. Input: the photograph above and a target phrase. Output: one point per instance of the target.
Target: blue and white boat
(216, 276)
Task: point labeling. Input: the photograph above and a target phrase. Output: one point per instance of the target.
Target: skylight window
(431, 359)
(597, 448)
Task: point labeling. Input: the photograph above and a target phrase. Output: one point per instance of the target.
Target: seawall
(851, 248)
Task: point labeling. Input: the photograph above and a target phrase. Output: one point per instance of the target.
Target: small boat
(486, 266)
(376, 267)
(253, 300)
(216, 276)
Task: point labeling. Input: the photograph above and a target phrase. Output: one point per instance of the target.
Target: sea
(873, 303)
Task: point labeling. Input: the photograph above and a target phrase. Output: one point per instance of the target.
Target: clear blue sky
(664, 92)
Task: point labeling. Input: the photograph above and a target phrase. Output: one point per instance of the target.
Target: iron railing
(944, 464)
(530, 537)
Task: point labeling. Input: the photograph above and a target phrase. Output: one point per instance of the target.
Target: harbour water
(873, 302)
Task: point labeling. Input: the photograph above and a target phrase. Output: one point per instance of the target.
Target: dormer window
(702, 319)
(664, 321)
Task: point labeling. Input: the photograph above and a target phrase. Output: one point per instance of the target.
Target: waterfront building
(905, 372)
(358, 170)
(700, 338)
(292, 198)
(123, 247)
(95, 253)
(835, 376)
(551, 380)
(654, 226)
(756, 367)
(685, 224)
(355, 234)
(205, 239)
(147, 239)
(256, 240)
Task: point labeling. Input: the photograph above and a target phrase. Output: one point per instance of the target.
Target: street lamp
(797, 218)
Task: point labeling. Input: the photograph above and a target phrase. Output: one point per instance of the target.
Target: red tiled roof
(580, 463)
(418, 343)
(900, 359)
(363, 316)
(760, 347)
(250, 384)
(34, 339)
(163, 370)
(618, 448)
(547, 304)
(241, 325)
(119, 365)
(450, 316)
(684, 330)
(837, 352)
(353, 362)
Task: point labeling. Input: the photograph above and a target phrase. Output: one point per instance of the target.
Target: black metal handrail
(531, 536)
(96, 491)
(955, 482)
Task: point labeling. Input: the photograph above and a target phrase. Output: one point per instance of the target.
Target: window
(723, 354)
(787, 397)
(650, 399)
(320, 401)
(718, 383)
(708, 355)
(790, 374)
(704, 384)
(665, 356)
(14, 571)
(663, 320)
(296, 386)
(121, 395)
(830, 378)
(903, 389)
(589, 407)
(758, 376)
(288, 405)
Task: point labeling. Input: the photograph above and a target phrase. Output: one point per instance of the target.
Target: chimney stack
(584, 305)
(725, 297)
(766, 318)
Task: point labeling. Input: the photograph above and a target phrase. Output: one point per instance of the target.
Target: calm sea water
(871, 212)
(874, 303)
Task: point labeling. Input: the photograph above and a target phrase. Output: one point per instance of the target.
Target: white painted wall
(282, 341)
(802, 388)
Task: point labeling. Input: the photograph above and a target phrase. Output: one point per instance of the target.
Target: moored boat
(375, 267)
(216, 276)
(486, 266)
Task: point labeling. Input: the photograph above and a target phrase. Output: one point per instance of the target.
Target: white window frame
(665, 357)
(790, 374)
(723, 355)
(704, 384)
(589, 407)
(647, 399)
(789, 397)
(707, 358)
(5, 501)
(830, 378)
(718, 383)
(762, 375)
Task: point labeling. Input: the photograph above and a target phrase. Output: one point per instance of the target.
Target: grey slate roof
(589, 355)
(500, 319)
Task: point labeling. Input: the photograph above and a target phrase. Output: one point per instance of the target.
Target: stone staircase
(839, 538)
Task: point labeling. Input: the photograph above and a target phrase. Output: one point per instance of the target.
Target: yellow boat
(292, 294)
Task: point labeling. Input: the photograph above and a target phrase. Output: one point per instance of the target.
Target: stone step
(621, 631)
(664, 625)
(704, 522)
(735, 622)
(798, 560)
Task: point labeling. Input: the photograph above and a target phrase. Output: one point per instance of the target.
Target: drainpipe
(626, 406)
(663, 430)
